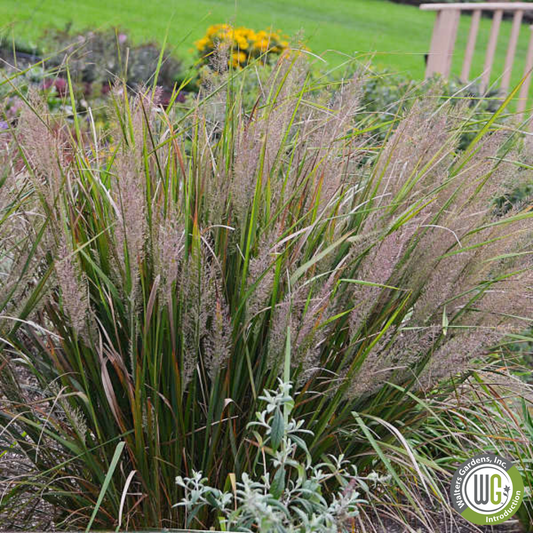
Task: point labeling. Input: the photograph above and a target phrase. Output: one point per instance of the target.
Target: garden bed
(282, 304)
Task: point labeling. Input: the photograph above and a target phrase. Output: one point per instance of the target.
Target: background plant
(244, 44)
(95, 61)
(148, 295)
(103, 56)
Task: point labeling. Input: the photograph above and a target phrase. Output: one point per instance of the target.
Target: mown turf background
(399, 35)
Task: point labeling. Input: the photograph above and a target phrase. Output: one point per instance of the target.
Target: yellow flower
(242, 41)
(215, 28)
(203, 43)
(238, 58)
(262, 45)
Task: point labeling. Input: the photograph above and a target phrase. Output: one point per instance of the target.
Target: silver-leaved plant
(292, 495)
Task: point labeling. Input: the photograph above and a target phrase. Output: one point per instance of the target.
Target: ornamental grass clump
(147, 297)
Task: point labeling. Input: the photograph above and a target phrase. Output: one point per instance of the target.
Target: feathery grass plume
(130, 227)
(310, 331)
(280, 321)
(41, 139)
(206, 322)
(325, 153)
(74, 416)
(261, 275)
(73, 291)
(458, 354)
(193, 325)
(507, 300)
(416, 155)
(375, 270)
(21, 221)
(218, 343)
(213, 178)
(209, 237)
(455, 213)
(244, 166)
(168, 252)
(214, 87)
(280, 105)
(373, 368)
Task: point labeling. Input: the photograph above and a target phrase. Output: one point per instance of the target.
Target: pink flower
(60, 85)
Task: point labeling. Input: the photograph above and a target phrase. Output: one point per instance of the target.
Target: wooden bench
(445, 33)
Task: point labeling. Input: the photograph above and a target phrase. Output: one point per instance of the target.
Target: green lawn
(398, 35)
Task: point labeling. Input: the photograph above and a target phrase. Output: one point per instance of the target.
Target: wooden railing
(445, 33)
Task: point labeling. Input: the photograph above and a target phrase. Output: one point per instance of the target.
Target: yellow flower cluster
(245, 44)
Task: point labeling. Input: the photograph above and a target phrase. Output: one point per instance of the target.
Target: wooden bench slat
(470, 46)
(491, 49)
(524, 90)
(445, 33)
(484, 6)
(511, 50)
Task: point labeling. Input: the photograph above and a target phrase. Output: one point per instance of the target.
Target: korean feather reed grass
(150, 280)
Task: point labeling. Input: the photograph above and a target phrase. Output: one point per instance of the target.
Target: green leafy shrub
(96, 61)
(149, 292)
(102, 57)
(387, 94)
